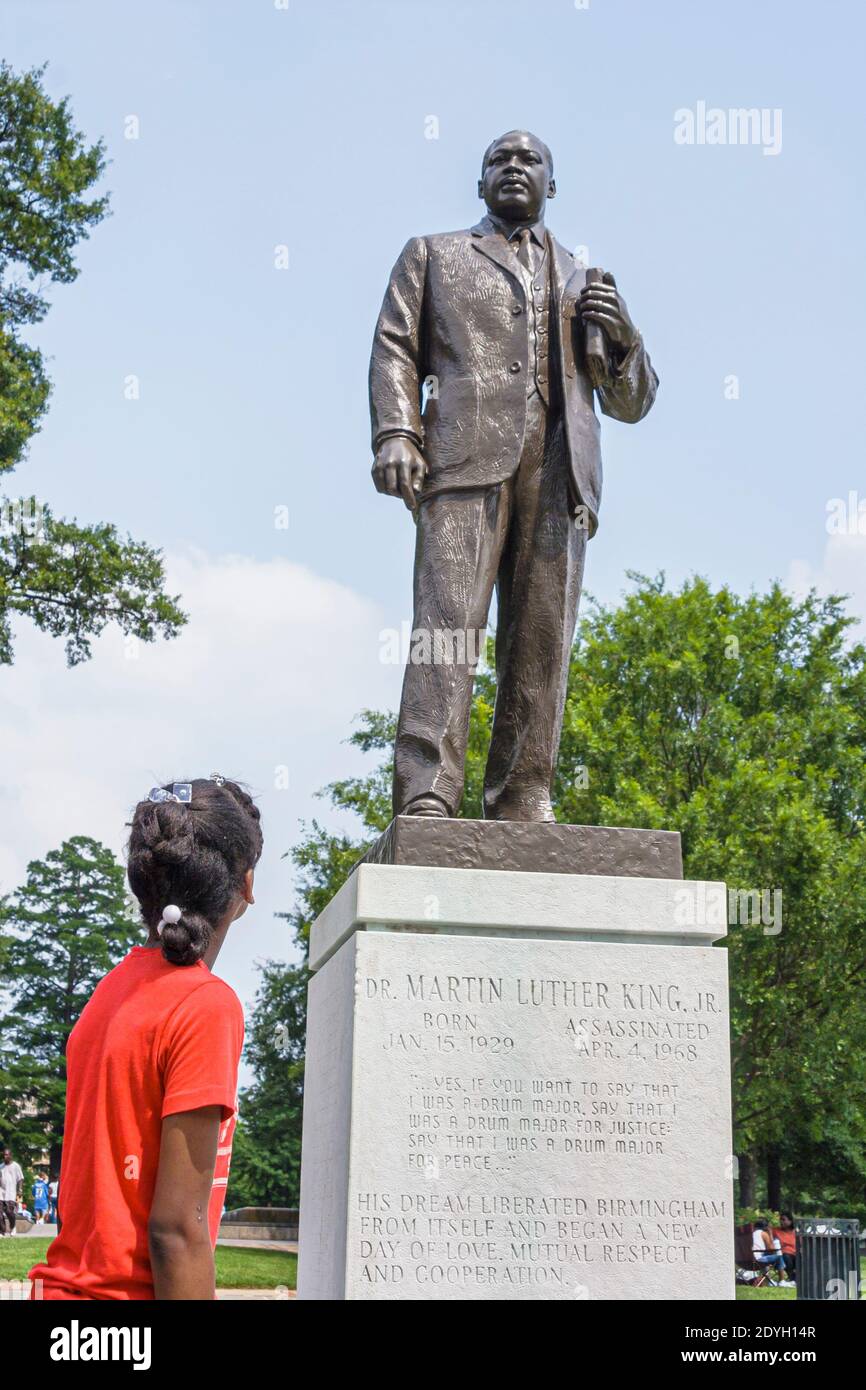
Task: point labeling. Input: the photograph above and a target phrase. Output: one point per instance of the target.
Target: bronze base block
(529, 847)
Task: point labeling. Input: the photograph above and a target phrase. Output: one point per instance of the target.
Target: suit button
(515, 366)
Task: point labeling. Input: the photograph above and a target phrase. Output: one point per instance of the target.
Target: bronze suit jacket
(455, 315)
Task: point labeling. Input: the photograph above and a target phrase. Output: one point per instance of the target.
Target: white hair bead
(170, 914)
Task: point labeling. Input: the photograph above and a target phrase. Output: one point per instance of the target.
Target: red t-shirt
(153, 1040)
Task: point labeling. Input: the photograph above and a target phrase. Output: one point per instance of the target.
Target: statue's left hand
(603, 304)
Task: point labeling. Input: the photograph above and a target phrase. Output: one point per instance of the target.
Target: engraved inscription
(537, 1134)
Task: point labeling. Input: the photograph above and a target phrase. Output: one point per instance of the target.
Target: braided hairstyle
(194, 855)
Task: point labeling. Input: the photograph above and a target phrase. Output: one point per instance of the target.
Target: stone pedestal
(517, 1087)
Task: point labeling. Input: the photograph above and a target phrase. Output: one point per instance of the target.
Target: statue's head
(517, 176)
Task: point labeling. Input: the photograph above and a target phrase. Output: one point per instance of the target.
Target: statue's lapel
(567, 279)
(488, 241)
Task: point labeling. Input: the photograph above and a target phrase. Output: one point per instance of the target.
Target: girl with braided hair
(152, 1064)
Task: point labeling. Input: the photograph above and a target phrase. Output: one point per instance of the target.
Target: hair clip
(180, 791)
(218, 778)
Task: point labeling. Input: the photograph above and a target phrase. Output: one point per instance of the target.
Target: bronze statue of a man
(503, 339)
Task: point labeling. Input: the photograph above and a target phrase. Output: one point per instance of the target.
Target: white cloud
(842, 571)
(273, 666)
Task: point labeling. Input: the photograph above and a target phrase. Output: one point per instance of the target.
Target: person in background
(11, 1183)
(786, 1235)
(152, 1064)
(52, 1199)
(763, 1249)
(39, 1193)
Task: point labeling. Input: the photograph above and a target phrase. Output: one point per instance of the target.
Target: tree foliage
(266, 1158)
(65, 928)
(741, 723)
(70, 579)
(46, 173)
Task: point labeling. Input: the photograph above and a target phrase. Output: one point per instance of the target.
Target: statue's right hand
(400, 469)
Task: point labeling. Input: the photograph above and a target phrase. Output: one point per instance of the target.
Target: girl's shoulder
(208, 999)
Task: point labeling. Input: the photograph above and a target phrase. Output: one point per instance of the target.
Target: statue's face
(516, 181)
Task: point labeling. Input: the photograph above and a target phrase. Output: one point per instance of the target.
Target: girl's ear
(247, 888)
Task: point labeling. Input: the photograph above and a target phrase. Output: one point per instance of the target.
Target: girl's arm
(181, 1256)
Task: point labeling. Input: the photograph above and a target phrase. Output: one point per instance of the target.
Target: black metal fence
(828, 1258)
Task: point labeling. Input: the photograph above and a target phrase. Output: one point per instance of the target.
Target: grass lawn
(768, 1295)
(764, 1295)
(255, 1269)
(235, 1269)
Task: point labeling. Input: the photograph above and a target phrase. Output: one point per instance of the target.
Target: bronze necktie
(524, 248)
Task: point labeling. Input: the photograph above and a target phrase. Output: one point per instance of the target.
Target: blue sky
(305, 127)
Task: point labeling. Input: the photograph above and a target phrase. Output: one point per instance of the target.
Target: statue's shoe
(430, 805)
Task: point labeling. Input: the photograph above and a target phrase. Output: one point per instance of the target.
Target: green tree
(63, 930)
(266, 1158)
(740, 722)
(70, 579)
(46, 172)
